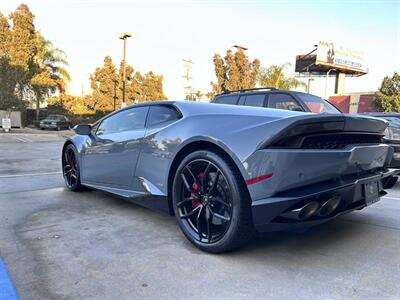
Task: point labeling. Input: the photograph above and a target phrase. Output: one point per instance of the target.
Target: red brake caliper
(196, 187)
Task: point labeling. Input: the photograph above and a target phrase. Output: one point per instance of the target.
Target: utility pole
(115, 93)
(124, 37)
(188, 87)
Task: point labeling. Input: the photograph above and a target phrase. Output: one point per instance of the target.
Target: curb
(7, 289)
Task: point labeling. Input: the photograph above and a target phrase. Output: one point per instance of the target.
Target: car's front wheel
(71, 170)
(211, 202)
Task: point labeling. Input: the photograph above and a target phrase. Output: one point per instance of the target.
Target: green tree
(141, 88)
(50, 74)
(220, 73)
(274, 76)
(234, 71)
(30, 67)
(71, 105)
(150, 86)
(387, 98)
(104, 82)
(8, 98)
(198, 95)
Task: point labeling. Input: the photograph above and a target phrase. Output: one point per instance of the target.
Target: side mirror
(295, 108)
(83, 129)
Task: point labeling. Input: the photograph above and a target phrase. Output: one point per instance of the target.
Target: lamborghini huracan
(226, 172)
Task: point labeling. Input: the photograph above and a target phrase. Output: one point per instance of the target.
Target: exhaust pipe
(388, 183)
(329, 206)
(303, 212)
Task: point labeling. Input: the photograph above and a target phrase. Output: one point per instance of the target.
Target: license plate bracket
(371, 192)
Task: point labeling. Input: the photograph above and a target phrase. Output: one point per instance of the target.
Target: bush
(387, 99)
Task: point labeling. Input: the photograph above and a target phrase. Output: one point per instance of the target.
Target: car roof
(201, 108)
(384, 114)
(261, 91)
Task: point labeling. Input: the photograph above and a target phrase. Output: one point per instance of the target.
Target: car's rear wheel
(211, 202)
(71, 170)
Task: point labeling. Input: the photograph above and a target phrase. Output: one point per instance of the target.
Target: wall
(354, 102)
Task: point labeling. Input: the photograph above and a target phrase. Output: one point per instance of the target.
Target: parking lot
(63, 245)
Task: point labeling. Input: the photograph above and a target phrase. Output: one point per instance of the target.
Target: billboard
(338, 57)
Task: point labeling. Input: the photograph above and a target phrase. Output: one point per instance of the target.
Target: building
(354, 102)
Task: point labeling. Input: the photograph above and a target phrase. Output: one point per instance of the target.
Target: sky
(165, 32)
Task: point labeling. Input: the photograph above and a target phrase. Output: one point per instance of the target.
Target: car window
(126, 120)
(161, 114)
(231, 99)
(281, 101)
(316, 104)
(242, 99)
(255, 100)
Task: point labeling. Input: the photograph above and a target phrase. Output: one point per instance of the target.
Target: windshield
(317, 105)
(53, 117)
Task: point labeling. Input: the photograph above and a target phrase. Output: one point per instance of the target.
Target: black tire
(223, 197)
(71, 169)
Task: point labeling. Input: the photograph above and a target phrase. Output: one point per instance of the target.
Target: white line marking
(32, 174)
(19, 139)
(22, 139)
(393, 198)
(26, 139)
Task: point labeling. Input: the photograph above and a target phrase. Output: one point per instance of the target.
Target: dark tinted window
(161, 114)
(130, 119)
(53, 117)
(281, 101)
(231, 99)
(255, 100)
(241, 100)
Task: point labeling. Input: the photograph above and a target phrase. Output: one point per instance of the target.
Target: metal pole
(124, 75)
(115, 93)
(326, 84)
(308, 85)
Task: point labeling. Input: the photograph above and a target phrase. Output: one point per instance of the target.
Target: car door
(112, 151)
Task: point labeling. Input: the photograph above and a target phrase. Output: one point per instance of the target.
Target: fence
(15, 117)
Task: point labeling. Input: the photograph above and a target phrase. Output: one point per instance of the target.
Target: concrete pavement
(63, 245)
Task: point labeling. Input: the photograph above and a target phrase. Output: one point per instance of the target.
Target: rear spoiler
(314, 124)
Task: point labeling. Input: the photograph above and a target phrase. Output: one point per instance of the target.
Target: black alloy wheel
(211, 203)
(70, 165)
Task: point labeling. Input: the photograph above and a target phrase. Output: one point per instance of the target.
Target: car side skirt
(156, 202)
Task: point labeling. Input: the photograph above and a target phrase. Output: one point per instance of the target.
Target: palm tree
(50, 72)
(274, 76)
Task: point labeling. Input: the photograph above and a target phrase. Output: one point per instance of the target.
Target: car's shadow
(324, 238)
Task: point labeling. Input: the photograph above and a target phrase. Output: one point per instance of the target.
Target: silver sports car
(226, 171)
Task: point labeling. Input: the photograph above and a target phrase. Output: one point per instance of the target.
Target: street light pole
(124, 37)
(326, 83)
(115, 93)
(308, 85)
